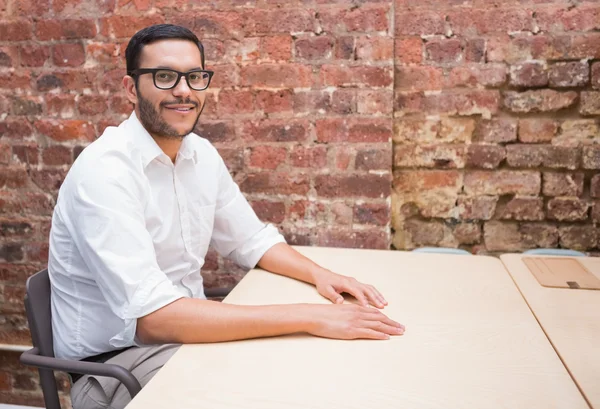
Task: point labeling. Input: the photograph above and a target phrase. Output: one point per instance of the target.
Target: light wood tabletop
(571, 320)
(471, 342)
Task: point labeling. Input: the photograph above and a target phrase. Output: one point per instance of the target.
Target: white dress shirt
(130, 232)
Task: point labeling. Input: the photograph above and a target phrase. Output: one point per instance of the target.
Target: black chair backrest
(39, 316)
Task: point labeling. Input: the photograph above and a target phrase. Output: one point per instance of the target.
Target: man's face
(171, 113)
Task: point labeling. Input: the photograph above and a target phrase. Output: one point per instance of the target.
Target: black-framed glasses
(165, 78)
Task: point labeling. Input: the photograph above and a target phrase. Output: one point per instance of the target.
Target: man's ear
(130, 89)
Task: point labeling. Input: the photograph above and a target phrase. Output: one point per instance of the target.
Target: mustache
(179, 102)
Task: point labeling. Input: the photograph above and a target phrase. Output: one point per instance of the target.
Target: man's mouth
(180, 108)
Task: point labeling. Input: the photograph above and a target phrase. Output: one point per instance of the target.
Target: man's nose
(182, 88)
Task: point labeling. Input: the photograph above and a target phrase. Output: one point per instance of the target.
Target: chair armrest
(33, 358)
(221, 292)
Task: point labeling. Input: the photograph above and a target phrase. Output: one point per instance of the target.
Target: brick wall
(347, 123)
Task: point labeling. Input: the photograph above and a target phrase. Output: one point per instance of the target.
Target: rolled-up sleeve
(108, 227)
(238, 234)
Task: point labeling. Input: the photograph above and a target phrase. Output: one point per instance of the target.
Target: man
(134, 219)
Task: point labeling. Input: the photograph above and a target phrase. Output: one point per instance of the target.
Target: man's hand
(330, 285)
(350, 321)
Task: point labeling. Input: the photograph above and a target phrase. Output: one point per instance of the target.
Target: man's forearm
(283, 259)
(189, 320)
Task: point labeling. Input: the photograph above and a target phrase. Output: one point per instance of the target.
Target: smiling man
(133, 222)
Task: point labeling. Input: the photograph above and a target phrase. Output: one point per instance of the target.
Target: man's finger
(368, 333)
(333, 295)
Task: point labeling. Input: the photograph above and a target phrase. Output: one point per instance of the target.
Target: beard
(156, 125)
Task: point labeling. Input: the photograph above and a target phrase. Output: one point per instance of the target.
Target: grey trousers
(99, 392)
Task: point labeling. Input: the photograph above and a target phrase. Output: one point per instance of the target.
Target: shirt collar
(149, 148)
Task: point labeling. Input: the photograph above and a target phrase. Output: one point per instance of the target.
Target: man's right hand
(350, 321)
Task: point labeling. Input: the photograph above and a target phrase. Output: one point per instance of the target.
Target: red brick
(373, 186)
(267, 157)
(504, 237)
(418, 78)
(430, 156)
(485, 156)
(475, 75)
(484, 102)
(65, 29)
(68, 55)
(344, 48)
(118, 26)
(119, 104)
(26, 154)
(16, 30)
(469, 22)
(223, 24)
(567, 209)
(272, 212)
(595, 211)
(496, 130)
(561, 157)
(57, 155)
(92, 104)
(374, 102)
(9, 56)
(216, 131)
(419, 23)
(26, 105)
(375, 239)
(584, 237)
(343, 101)
(529, 74)
(28, 8)
(75, 80)
(340, 213)
(370, 130)
(309, 157)
(311, 102)
(34, 55)
(64, 130)
(583, 17)
(15, 129)
(563, 184)
(277, 48)
(284, 20)
(523, 208)
(314, 48)
(467, 233)
(335, 75)
(538, 101)
(577, 132)
(569, 74)
(366, 18)
(275, 130)
(590, 103)
(274, 101)
(62, 105)
(16, 228)
(372, 213)
(12, 80)
(373, 159)
(444, 51)
(595, 75)
(9, 202)
(36, 251)
(584, 46)
(525, 156)
(131, 6)
(502, 182)
(235, 102)
(343, 157)
(536, 130)
(591, 157)
(277, 75)
(10, 252)
(475, 50)
(70, 7)
(104, 53)
(13, 178)
(275, 183)
(477, 207)
(518, 48)
(5, 154)
(594, 185)
(539, 235)
(331, 130)
(423, 233)
(423, 180)
(47, 179)
(409, 50)
(233, 158)
(373, 48)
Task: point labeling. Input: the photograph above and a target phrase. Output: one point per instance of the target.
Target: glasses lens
(198, 80)
(165, 79)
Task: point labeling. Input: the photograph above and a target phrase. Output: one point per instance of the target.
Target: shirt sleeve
(106, 214)
(238, 234)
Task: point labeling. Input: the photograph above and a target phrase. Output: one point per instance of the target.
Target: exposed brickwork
(386, 123)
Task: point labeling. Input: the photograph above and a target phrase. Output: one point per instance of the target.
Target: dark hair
(155, 33)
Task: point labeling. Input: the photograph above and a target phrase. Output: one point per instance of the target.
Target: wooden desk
(471, 342)
(571, 320)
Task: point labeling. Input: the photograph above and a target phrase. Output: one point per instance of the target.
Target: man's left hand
(331, 285)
